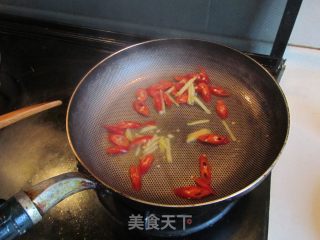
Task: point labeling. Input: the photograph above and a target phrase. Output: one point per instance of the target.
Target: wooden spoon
(22, 113)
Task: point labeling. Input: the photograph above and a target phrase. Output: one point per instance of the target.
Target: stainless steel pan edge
(235, 195)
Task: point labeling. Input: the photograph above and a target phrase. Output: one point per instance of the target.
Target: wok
(259, 118)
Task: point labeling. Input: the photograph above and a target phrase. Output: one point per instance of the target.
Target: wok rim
(230, 197)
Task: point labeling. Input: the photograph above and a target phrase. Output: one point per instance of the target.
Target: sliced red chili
(202, 182)
(114, 129)
(203, 76)
(205, 168)
(214, 139)
(183, 98)
(167, 100)
(165, 84)
(192, 192)
(128, 124)
(186, 77)
(204, 91)
(119, 140)
(135, 177)
(179, 85)
(179, 77)
(141, 108)
(174, 91)
(116, 150)
(157, 102)
(154, 89)
(145, 163)
(221, 109)
(218, 91)
(141, 140)
(141, 94)
(149, 123)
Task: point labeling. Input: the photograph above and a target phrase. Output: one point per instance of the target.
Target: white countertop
(295, 182)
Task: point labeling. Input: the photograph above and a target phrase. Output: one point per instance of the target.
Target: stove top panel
(46, 68)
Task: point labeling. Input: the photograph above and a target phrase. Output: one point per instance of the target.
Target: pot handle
(26, 208)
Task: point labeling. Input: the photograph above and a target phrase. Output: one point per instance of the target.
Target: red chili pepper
(179, 77)
(141, 108)
(114, 129)
(145, 163)
(116, 150)
(141, 94)
(179, 85)
(165, 84)
(128, 124)
(203, 76)
(157, 102)
(167, 100)
(149, 123)
(141, 140)
(186, 77)
(205, 169)
(192, 192)
(213, 139)
(119, 140)
(174, 91)
(219, 91)
(202, 182)
(204, 91)
(221, 109)
(154, 89)
(183, 98)
(135, 177)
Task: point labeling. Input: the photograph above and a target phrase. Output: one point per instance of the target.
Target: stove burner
(185, 221)
(120, 209)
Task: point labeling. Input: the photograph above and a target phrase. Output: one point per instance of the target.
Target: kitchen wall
(306, 30)
(247, 24)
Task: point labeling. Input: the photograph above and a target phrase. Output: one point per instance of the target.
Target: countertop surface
(295, 182)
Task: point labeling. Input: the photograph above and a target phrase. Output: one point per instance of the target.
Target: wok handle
(15, 116)
(26, 208)
(16, 216)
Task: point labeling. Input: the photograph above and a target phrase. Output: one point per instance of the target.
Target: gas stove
(44, 62)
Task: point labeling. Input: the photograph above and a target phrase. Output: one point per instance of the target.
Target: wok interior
(257, 117)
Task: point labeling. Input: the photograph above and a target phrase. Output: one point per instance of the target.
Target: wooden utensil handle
(22, 113)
